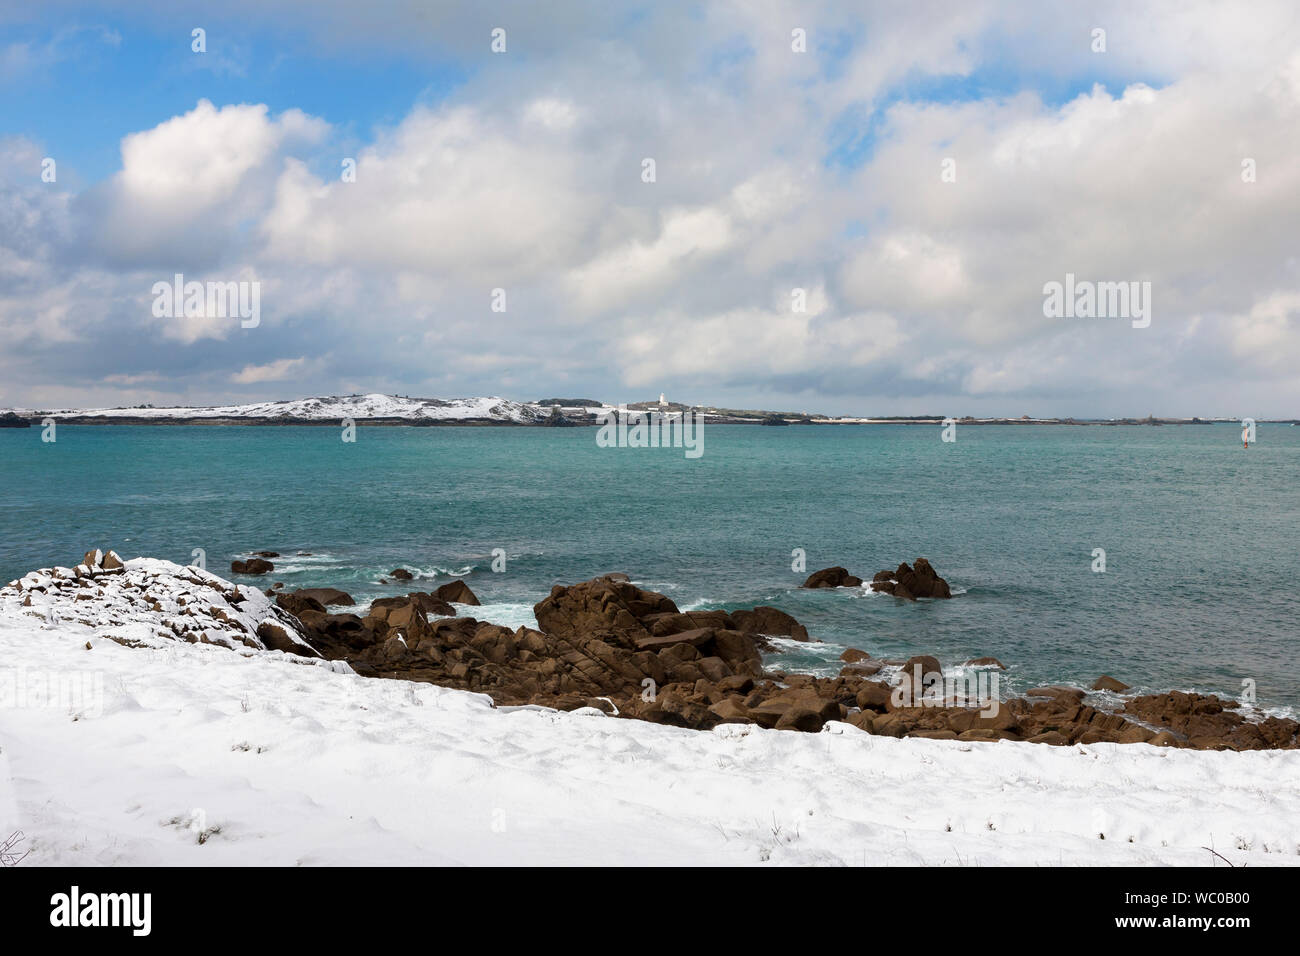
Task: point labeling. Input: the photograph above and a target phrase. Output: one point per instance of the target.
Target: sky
(855, 208)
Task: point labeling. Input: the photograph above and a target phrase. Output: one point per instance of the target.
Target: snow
(333, 408)
(197, 754)
(147, 602)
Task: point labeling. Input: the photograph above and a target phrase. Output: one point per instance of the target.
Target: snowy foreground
(203, 754)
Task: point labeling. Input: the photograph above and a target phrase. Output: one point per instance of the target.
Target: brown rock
(731, 710)
(276, 638)
(456, 592)
(1055, 738)
(852, 655)
(873, 695)
(768, 620)
(326, 596)
(1055, 690)
(401, 574)
(986, 662)
(835, 577)
(252, 566)
(1106, 682)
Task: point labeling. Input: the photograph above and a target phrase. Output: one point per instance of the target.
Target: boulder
(252, 566)
(401, 574)
(921, 676)
(1056, 690)
(852, 655)
(986, 662)
(835, 577)
(296, 602)
(326, 596)
(276, 638)
(1106, 682)
(768, 620)
(456, 592)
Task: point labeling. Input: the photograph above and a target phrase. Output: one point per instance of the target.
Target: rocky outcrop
(624, 650)
(910, 582)
(145, 602)
(401, 574)
(835, 577)
(252, 566)
(13, 420)
(1207, 722)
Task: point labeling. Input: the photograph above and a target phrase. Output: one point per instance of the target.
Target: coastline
(188, 752)
(615, 648)
(36, 419)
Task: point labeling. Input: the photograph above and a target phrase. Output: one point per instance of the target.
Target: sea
(1164, 556)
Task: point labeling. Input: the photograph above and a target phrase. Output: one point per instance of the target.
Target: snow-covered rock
(147, 602)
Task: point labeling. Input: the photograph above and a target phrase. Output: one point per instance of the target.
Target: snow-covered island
(157, 714)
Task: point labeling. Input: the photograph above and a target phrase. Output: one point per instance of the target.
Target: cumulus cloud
(822, 171)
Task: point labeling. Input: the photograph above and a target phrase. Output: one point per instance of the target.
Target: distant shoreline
(36, 421)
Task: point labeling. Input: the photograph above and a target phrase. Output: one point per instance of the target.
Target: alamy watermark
(620, 428)
(1084, 299)
(934, 689)
(179, 299)
(76, 693)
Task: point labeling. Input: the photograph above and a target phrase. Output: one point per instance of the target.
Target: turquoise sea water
(1200, 535)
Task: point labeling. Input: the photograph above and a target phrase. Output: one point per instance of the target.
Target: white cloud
(277, 371)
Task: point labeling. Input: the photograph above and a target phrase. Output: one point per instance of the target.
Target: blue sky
(776, 170)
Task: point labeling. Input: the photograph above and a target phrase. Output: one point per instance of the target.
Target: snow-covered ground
(180, 753)
(331, 408)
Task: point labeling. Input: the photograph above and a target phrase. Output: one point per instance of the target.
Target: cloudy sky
(920, 171)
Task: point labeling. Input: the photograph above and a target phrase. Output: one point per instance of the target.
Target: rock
(276, 638)
(862, 669)
(14, 420)
(326, 596)
(922, 676)
(696, 638)
(802, 718)
(267, 554)
(731, 710)
(1055, 690)
(1207, 724)
(911, 582)
(874, 695)
(986, 662)
(768, 620)
(296, 602)
(852, 655)
(835, 577)
(456, 592)
(669, 623)
(401, 574)
(1106, 682)
(1055, 738)
(252, 566)
(863, 720)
